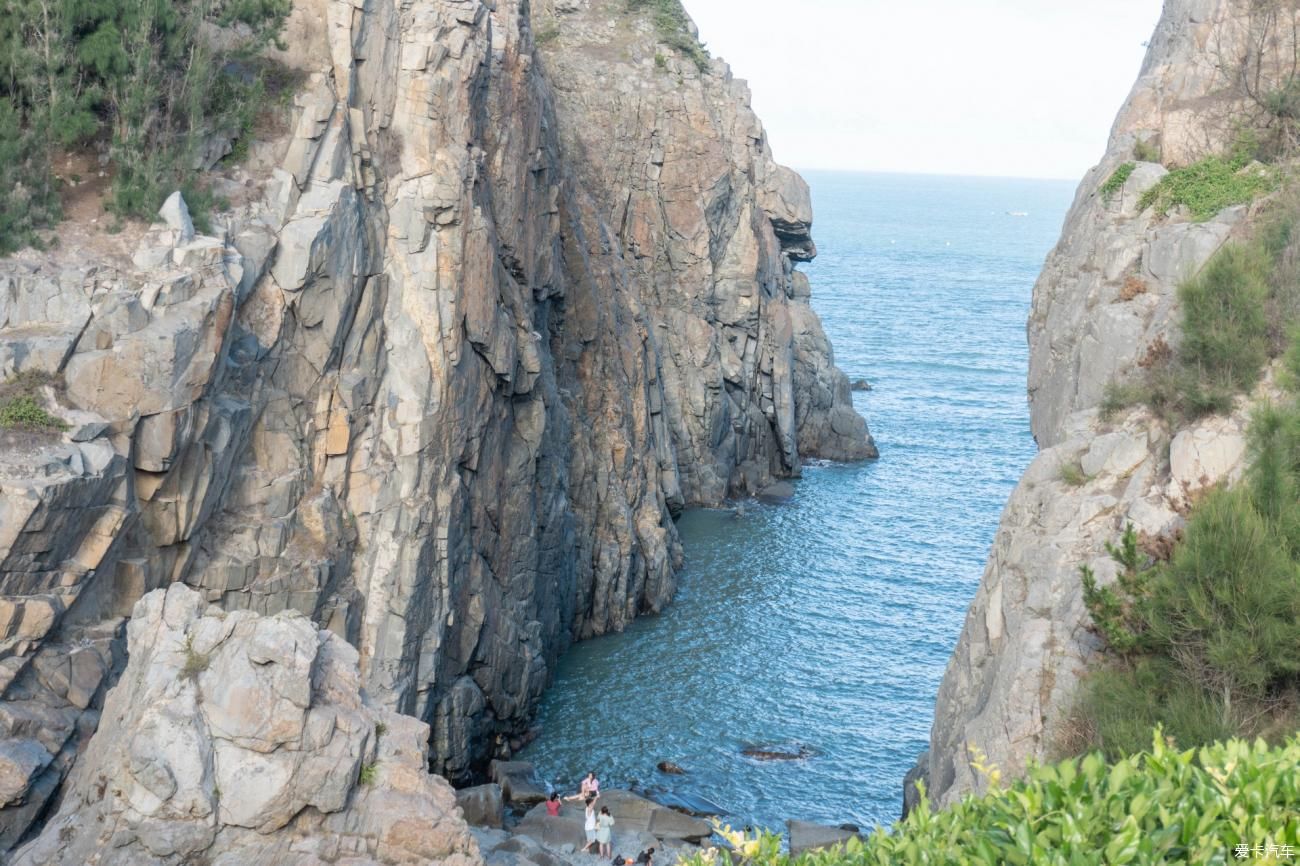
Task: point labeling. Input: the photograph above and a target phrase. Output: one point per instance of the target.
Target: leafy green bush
(1116, 181)
(1210, 185)
(673, 29)
(1158, 807)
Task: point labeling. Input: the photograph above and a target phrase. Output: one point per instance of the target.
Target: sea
(822, 627)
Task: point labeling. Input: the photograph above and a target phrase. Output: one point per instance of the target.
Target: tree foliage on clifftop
(149, 78)
(1161, 806)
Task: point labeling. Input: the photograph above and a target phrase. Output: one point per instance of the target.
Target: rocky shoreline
(508, 819)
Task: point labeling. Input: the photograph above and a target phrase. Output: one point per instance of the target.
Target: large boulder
(519, 782)
(233, 738)
(806, 836)
(482, 805)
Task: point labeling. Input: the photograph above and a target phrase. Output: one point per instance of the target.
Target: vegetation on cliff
(149, 81)
(1235, 319)
(1207, 643)
(673, 28)
(1161, 806)
(22, 406)
(1209, 185)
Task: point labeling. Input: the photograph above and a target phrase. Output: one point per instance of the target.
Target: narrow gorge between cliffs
(825, 623)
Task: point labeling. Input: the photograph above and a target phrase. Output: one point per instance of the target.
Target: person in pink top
(553, 805)
(590, 788)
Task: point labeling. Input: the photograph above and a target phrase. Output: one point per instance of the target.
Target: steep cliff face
(471, 333)
(1105, 302)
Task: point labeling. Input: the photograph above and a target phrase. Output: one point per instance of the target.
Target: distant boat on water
(1021, 213)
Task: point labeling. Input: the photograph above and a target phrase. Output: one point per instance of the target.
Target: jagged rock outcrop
(233, 738)
(438, 380)
(1105, 306)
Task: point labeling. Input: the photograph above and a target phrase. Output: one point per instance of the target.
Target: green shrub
(1146, 151)
(25, 413)
(1115, 610)
(1116, 181)
(21, 405)
(1158, 807)
(369, 774)
(1073, 474)
(1210, 185)
(195, 661)
(1235, 312)
(672, 27)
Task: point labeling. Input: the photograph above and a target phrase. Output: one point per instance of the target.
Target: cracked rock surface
(474, 329)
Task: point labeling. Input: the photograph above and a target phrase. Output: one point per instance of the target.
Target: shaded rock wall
(1106, 299)
(427, 383)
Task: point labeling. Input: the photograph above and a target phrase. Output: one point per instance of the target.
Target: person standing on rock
(605, 832)
(589, 824)
(553, 805)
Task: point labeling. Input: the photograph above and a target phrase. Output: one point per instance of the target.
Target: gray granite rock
(806, 836)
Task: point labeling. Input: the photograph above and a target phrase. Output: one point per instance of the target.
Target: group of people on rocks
(598, 825)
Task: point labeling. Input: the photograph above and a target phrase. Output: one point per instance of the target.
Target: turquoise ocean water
(826, 623)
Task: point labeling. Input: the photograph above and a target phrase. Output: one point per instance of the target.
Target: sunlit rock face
(477, 324)
(233, 738)
(1105, 304)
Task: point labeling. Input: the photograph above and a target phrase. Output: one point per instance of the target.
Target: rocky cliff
(475, 327)
(1105, 305)
(234, 738)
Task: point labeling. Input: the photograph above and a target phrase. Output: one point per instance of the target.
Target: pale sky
(1019, 88)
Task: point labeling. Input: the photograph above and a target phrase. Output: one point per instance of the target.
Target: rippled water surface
(827, 622)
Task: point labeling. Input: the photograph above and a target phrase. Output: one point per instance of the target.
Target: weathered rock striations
(1105, 304)
(469, 336)
(233, 738)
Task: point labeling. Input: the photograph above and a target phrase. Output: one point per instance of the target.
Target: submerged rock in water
(670, 768)
(691, 804)
(798, 752)
(859, 385)
(777, 494)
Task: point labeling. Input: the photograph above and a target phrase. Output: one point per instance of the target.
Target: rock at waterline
(519, 782)
(860, 385)
(691, 804)
(776, 494)
(920, 772)
(806, 836)
(482, 805)
(633, 814)
(794, 753)
(670, 768)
